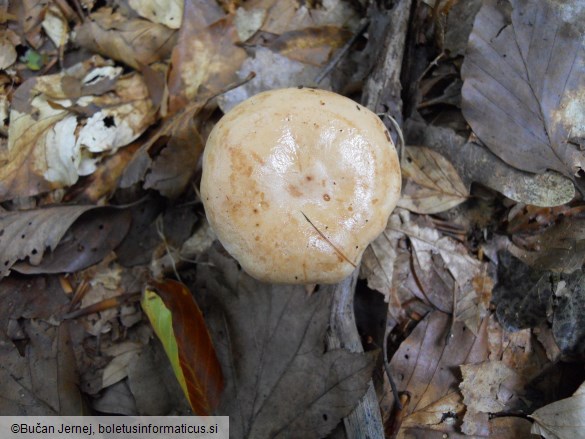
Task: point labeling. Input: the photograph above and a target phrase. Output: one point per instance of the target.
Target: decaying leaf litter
(105, 110)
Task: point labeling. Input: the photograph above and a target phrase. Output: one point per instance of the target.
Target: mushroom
(297, 182)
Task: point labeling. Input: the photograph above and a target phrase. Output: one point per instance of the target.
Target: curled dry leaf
(135, 42)
(179, 325)
(430, 183)
(89, 240)
(27, 234)
(524, 89)
(564, 419)
(7, 49)
(50, 144)
(453, 279)
(55, 25)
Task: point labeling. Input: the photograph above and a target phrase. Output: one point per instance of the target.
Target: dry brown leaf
(43, 381)
(524, 89)
(287, 15)
(30, 17)
(313, 45)
(440, 263)
(430, 183)
(50, 145)
(135, 42)
(204, 61)
(561, 248)
(564, 419)
(27, 234)
(117, 368)
(279, 381)
(425, 366)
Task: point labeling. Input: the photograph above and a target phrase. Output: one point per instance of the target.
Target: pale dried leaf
(248, 22)
(50, 145)
(7, 52)
(204, 61)
(564, 419)
(55, 25)
(167, 12)
(475, 163)
(487, 388)
(430, 182)
(471, 298)
(117, 368)
(379, 258)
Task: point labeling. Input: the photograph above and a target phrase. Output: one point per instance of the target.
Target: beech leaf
(280, 382)
(29, 233)
(430, 183)
(179, 325)
(524, 81)
(562, 419)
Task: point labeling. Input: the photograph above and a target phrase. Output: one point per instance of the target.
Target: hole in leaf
(109, 121)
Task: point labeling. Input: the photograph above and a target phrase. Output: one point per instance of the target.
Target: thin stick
(339, 252)
(341, 53)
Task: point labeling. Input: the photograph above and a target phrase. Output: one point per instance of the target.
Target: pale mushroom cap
(286, 157)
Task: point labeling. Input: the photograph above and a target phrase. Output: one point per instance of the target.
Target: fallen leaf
(153, 385)
(527, 298)
(7, 50)
(27, 234)
(562, 419)
(424, 366)
(55, 25)
(458, 25)
(312, 45)
(280, 382)
(180, 327)
(50, 145)
(117, 368)
(135, 42)
(430, 183)
(435, 258)
(560, 248)
(91, 237)
(168, 12)
(476, 163)
(524, 80)
(487, 388)
(43, 381)
(30, 18)
(204, 61)
(272, 71)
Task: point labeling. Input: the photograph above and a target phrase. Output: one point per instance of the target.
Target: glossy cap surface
(297, 182)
